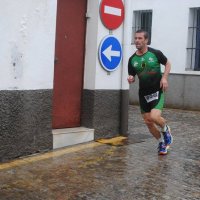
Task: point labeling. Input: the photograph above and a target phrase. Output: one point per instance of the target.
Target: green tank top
(148, 69)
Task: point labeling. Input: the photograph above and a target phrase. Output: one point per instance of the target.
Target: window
(142, 19)
(193, 50)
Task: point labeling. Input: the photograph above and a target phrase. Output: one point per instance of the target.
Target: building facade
(174, 28)
(54, 91)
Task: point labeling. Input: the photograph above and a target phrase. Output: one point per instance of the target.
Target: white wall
(95, 76)
(169, 34)
(170, 28)
(91, 45)
(27, 44)
(27, 52)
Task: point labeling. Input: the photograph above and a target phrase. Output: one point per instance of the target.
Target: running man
(146, 64)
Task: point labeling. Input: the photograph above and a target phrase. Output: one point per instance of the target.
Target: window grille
(193, 50)
(142, 19)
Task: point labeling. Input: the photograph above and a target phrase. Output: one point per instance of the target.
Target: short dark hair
(146, 34)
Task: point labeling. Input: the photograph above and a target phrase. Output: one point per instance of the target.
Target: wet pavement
(96, 171)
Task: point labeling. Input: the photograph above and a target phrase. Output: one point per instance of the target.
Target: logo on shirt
(135, 64)
(151, 59)
(143, 65)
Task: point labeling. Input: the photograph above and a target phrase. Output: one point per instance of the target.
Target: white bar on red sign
(112, 11)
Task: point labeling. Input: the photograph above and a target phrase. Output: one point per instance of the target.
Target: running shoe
(167, 136)
(162, 148)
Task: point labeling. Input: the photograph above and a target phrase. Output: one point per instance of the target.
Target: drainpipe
(127, 31)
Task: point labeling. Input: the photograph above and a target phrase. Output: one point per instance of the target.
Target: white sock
(164, 129)
(161, 139)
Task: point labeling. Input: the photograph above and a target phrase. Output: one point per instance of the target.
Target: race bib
(152, 97)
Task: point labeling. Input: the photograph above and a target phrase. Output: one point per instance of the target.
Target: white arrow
(109, 53)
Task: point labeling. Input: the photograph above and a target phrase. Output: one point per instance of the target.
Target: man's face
(140, 41)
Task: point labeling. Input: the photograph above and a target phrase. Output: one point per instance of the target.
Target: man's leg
(165, 129)
(155, 115)
(151, 125)
(152, 118)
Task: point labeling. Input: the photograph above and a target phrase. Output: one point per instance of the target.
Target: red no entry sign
(112, 13)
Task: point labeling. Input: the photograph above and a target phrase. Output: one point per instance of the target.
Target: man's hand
(164, 81)
(164, 84)
(131, 79)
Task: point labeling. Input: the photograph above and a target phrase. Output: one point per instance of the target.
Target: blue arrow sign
(110, 53)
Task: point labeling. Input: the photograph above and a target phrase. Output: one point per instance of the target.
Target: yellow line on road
(116, 141)
(55, 153)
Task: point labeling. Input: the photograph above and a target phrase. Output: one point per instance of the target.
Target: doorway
(69, 63)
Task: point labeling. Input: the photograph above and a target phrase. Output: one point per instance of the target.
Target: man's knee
(155, 116)
(149, 122)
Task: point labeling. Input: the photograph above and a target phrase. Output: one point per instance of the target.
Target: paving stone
(132, 171)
